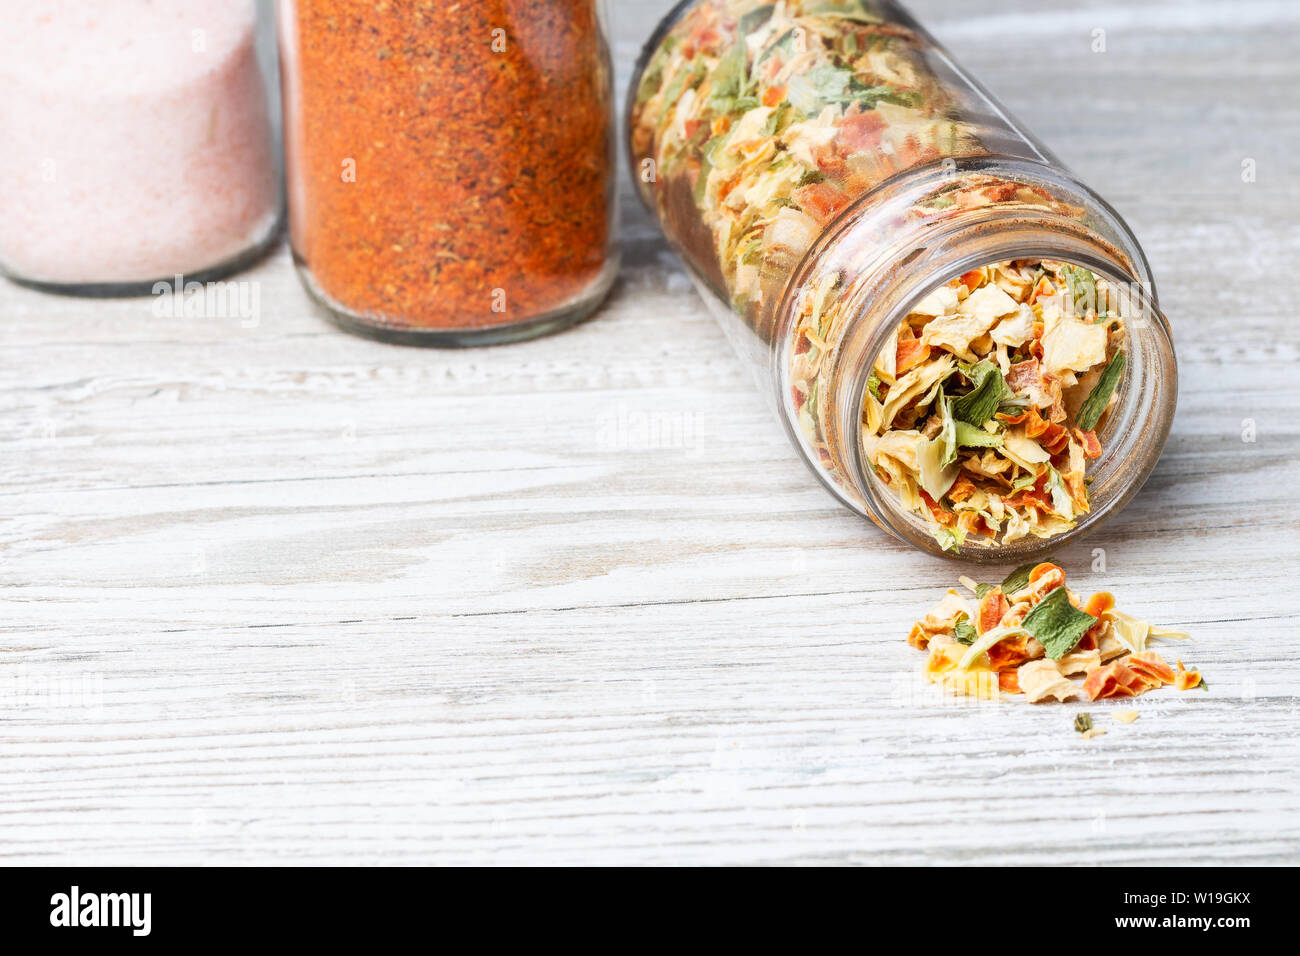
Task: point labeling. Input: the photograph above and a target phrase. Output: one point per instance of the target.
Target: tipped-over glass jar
(964, 340)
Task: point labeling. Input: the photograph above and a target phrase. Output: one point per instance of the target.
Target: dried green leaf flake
(948, 431)
(754, 19)
(1057, 624)
(682, 80)
(1083, 289)
(988, 389)
(821, 85)
(873, 386)
(1023, 482)
(1018, 579)
(1083, 722)
(1097, 400)
(973, 436)
(728, 80)
(950, 539)
(963, 630)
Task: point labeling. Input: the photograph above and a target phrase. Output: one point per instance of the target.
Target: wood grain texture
(278, 594)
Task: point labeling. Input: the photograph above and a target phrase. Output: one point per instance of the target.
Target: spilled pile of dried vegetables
(1033, 636)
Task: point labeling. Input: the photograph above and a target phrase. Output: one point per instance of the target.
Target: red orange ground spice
(449, 163)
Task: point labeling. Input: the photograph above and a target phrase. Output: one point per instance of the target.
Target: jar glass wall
(139, 142)
(450, 166)
(895, 254)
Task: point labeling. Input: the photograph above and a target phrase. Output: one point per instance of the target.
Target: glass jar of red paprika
(450, 166)
(962, 339)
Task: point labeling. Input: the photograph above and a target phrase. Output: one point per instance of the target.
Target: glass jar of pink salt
(138, 142)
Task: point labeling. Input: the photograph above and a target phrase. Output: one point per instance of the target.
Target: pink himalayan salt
(136, 139)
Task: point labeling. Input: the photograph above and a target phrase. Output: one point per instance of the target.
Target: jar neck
(888, 254)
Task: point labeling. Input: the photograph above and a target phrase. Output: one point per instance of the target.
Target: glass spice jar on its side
(450, 166)
(962, 339)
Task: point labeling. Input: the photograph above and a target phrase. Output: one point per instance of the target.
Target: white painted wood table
(277, 594)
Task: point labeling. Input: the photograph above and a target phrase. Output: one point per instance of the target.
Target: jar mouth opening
(892, 247)
(1132, 438)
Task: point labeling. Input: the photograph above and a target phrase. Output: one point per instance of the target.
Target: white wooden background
(278, 594)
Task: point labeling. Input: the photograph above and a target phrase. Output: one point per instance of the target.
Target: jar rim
(1134, 436)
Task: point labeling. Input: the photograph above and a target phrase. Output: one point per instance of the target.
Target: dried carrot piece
(919, 637)
(1151, 667)
(1044, 569)
(993, 606)
(1113, 680)
(1088, 440)
(1009, 653)
(1046, 576)
(962, 489)
(911, 353)
(1099, 603)
(1185, 679)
